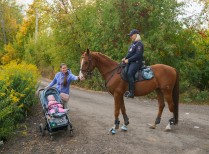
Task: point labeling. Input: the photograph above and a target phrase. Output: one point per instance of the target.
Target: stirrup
(130, 95)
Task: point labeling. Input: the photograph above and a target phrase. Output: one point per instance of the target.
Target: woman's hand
(80, 78)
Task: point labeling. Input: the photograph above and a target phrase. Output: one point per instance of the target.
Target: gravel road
(92, 116)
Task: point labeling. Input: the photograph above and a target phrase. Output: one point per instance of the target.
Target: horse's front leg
(117, 99)
(125, 117)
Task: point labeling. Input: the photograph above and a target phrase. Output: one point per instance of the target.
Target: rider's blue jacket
(135, 52)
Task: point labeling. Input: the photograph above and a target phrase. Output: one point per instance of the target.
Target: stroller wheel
(66, 128)
(51, 137)
(42, 130)
(71, 133)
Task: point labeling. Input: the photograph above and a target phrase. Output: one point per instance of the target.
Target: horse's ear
(87, 51)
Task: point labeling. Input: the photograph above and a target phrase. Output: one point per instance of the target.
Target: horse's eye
(85, 62)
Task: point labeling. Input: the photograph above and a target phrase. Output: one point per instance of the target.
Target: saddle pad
(145, 73)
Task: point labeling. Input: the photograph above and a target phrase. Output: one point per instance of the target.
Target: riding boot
(130, 94)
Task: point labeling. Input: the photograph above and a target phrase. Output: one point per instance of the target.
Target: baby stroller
(56, 121)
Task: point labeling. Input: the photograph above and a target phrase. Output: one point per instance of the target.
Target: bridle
(88, 70)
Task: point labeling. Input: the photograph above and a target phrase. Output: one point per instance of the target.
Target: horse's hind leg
(161, 105)
(169, 100)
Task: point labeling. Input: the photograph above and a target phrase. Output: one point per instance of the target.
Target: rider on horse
(134, 60)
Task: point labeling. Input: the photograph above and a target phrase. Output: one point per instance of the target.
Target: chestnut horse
(165, 83)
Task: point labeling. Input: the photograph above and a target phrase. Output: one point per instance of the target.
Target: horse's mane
(105, 57)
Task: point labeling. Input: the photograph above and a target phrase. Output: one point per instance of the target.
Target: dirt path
(92, 116)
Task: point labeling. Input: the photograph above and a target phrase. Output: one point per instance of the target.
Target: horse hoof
(168, 127)
(113, 131)
(152, 126)
(117, 127)
(124, 128)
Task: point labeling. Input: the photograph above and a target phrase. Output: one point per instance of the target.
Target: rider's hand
(126, 61)
(123, 59)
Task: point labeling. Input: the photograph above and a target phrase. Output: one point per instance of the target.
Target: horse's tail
(176, 98)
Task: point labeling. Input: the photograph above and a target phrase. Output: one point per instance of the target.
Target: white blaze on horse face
(81, 76)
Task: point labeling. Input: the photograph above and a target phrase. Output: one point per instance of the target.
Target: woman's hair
(138, 37)
(62, 64)
(66, 75)
(65, 79)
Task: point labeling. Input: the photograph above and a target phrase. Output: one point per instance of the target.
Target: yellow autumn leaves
(17, 94)
(17, 81)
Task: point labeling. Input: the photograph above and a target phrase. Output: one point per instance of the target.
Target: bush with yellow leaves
(17, 92)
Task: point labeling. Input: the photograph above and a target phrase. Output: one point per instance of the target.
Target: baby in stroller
(56, 116)
(54, 106)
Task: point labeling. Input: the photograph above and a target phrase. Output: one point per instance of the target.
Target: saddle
(144, 73)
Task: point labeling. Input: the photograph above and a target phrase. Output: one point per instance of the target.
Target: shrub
(17, 92)
(195, 96)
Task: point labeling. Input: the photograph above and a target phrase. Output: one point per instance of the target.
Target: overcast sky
(191, 8)
(24, 1)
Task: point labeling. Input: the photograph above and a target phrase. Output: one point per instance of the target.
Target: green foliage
(11, 18)
(194, 95)
(202, 96)
(102, 25)
(195, 62)
(17, 91)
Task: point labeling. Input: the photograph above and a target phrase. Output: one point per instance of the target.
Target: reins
(113, 73)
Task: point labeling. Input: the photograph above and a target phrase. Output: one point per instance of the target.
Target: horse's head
(87, 65)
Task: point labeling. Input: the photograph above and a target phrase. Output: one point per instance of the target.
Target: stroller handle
(40, 91)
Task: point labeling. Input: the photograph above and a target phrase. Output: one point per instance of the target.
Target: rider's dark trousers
(131, 71)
